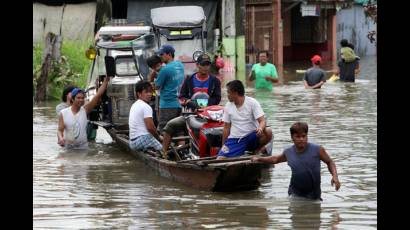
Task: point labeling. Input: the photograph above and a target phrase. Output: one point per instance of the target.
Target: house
(292, 30)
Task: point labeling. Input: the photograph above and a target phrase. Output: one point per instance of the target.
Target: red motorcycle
(205, 130)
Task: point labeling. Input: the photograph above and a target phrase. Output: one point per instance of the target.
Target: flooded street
(107, 188)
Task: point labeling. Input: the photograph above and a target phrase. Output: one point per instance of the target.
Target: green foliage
(72, 69)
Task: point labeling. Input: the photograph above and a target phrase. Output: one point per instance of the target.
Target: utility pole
(277, 40)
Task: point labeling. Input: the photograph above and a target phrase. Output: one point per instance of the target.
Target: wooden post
(333, 37)
(51, 52)
(252, 55)
(277, 34)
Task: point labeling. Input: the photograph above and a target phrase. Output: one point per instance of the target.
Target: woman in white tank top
(75, 134)
(72, 121)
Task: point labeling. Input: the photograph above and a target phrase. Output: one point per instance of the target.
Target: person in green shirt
(264, 72)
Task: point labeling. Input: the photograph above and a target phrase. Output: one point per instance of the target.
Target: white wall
(353, 25)
(75, 21)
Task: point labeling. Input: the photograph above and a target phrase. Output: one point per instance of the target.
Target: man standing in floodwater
(348, 71)
(264, 72)
(304, 160)
(315, 76)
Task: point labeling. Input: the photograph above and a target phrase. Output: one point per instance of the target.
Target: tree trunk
(51, 52)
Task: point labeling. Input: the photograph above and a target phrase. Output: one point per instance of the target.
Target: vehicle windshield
(184, 50)
(125, 66)
(143, 46)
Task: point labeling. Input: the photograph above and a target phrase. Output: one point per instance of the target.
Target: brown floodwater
(105, 187)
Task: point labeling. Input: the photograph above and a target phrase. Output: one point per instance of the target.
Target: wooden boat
(204, 173)
(234, 174)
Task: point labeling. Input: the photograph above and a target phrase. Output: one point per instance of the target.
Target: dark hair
(351, 46)
(66, 91)
(142, 85)
(153, 60)
(263, 51)
(236, 86)
(344, 42)
(299, 127)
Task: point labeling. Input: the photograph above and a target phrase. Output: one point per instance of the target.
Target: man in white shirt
(245, 124)
(143, 133)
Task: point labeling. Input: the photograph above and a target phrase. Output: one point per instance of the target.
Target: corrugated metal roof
(307, 1)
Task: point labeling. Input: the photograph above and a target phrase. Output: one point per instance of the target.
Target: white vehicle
(184, 29)
(129, 46)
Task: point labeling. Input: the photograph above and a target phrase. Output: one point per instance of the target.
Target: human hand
(186, 102)
(254, 159)
(259, 131)
(61, 142)
(336, 182)
(106, 79)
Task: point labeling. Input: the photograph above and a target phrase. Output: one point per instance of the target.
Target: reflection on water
(107, 188)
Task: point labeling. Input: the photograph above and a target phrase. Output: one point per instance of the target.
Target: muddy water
(107, 188)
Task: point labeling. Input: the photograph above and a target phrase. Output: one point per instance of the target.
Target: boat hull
(206, 174)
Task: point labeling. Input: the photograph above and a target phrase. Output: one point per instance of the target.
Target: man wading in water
(304, 159)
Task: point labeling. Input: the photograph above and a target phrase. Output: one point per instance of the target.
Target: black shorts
(165, 115)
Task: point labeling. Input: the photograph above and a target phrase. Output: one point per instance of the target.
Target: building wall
(233, 39)
(72, 22)
(287, 32)
(353, 25)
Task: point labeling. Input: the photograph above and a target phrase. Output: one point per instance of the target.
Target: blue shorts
(234, 147)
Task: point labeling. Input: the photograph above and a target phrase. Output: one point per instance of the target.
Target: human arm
(90, 105)
(273, 77)
(306, 84)
(215, 96)
(270, 159)
(331, 167)
(152, 76)
(262, 126)
(318, 85)
(226, 131)
(164, 74)
(258, 115)
(149, 123)
(252, 74)
(184, 97)
(337, 71)
(357, 69)
(321, 82)
(60, 130)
